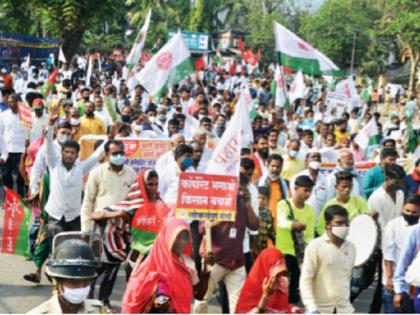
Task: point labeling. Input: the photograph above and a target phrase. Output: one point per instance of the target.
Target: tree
(401, 20)
(333, 28)
(69, 19)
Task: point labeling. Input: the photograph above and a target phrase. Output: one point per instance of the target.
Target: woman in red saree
(163, 282)
(266, 288)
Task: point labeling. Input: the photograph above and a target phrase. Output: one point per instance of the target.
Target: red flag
(16, 224)
(200, 63)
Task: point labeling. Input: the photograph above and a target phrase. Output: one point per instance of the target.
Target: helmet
(72, 259)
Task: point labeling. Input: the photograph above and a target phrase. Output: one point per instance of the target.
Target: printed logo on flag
(164, 61)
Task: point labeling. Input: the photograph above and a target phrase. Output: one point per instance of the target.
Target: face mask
(63, 138)
(348, 168)
(315, 165)
(293, 153)
(86, 98)
(410, 219)
(187, 162)
(152, 119)
(125, 118)
(76, 296)
(89, 114)
(117, 160)
(343, 130)
(201, 116)
(274, 176)
(75, 121)
(340, 231)
(161, 117)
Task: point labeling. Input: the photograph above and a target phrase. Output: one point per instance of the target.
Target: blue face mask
(187, 162)
(117, 160)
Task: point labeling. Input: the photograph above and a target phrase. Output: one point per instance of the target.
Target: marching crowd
(285, 252)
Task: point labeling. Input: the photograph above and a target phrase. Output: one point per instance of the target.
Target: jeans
(407, 304)
(109, 272)
(294, 275)
(58, 226)
(388, 301)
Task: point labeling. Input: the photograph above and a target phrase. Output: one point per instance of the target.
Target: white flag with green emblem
(295, 53)
(171, 64)
(135, 53)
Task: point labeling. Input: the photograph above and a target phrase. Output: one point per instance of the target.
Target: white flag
(169, 60)
(61, 56)
(294, 52)
(297, 89)
(135, 53)
(367, 132)
(227, 154)
(89, 71)
(346, 88)
(280, 87)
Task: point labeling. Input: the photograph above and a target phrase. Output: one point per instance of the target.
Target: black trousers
(12, 167)
(109, 275)
(294, 275)
(376, 305)
(58, 226)
(196, 242)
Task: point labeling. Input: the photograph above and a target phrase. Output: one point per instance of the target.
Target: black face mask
(125, 118)
(410, 219)
(89, 114)
(86, 98)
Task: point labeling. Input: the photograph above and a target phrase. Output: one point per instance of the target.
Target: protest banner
(362, 167)
(337, 104)
(207, 197)
(15, 225)
(141, 154)
(25, 114)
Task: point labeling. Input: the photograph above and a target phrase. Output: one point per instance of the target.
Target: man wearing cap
(72, 269)
(39, 119)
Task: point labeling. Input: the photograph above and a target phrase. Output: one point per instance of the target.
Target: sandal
(32, 277)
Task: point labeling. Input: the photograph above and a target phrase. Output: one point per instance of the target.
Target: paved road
(19, 296)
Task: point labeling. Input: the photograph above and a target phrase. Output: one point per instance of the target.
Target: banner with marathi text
(15, 225)
(206, 197)
(141, 153)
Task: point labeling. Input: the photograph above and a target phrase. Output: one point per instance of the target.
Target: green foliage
(332, 29)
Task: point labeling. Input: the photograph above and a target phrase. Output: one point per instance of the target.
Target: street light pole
(352, 53)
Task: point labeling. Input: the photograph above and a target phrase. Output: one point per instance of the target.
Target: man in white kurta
(327, 267)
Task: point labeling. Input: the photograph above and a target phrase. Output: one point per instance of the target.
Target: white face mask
(340, 231)
(75, 121)
(315, 165)
(152, 119)
(76, 296)
(293, 153)
(63, 138)
(274, 176)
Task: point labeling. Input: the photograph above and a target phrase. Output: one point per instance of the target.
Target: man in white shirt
(40, 164)
(39, 119)
(318, 196)
(167, 160)
(14, 134)
(327, 267)
(108, 183)
(101, 112)
(396, 232)
(66, 178)
(345, 162)
(386, 203)
(169, 178)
